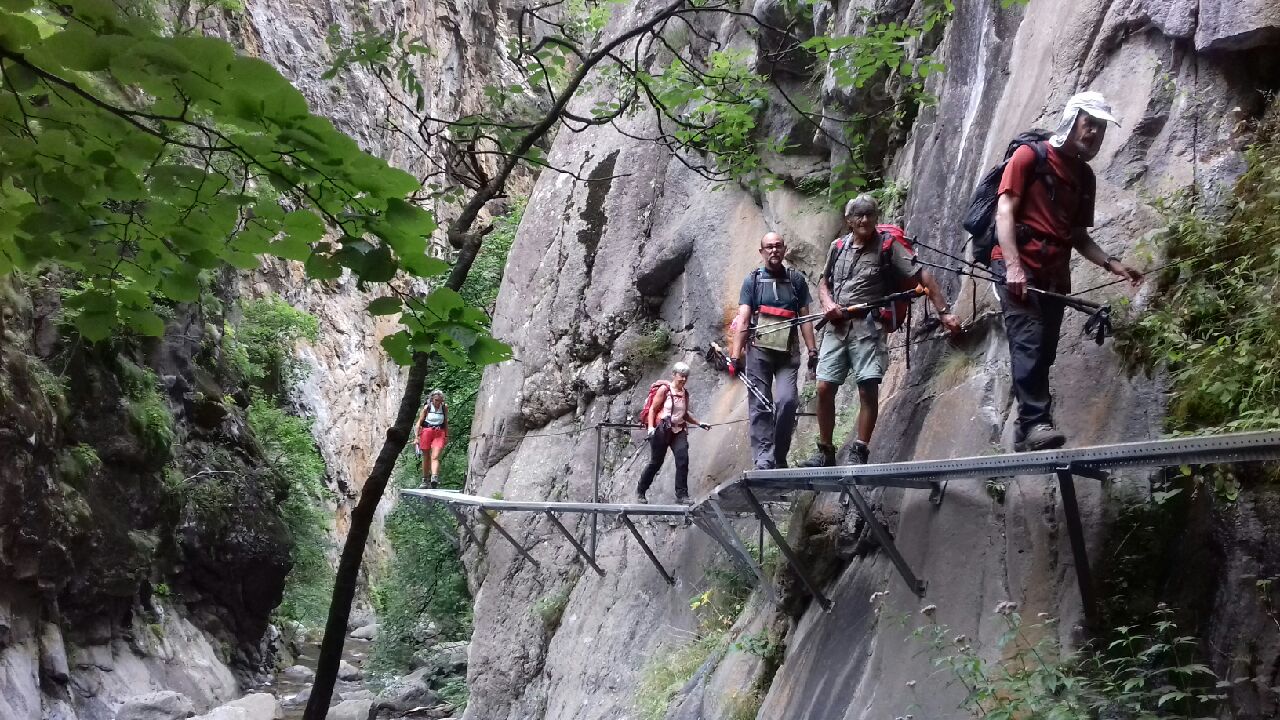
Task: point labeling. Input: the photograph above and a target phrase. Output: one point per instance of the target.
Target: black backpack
(794, 276)
(979, 219)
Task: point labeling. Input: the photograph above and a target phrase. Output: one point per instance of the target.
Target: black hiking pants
(662, 439)
(1033, 327)
(775, 374)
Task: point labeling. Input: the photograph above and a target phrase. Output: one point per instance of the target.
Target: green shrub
(79, 461)
(292, 455)
(148, 411)
(1214, 323)
(550, 609)
(454, 691)
(260, 348)
(1143, 671)
(717, 608)
(649, 347)
(667, 672)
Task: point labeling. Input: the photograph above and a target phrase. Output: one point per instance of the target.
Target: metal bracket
(885, 538)
(462, 523)
(787, 552)
(938, 492)
(720, 529)
(1075, 530)
(582, 552)
(647, 550)
(484, 515)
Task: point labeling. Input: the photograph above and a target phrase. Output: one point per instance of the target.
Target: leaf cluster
(1142, 672)
(144, 162)
(1214, 324)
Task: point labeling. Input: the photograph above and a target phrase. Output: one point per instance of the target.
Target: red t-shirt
(1049, 214)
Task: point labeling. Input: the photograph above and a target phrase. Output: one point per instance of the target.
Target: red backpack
(895, 315)
(648, 402)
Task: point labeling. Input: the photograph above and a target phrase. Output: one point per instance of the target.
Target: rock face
(599, 266)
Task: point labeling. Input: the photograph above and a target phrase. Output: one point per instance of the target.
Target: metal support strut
(787, 552)
(574, 541)
(484, 515)
(1071, 509)
(645, 546)
(462, 523)
(885, 538)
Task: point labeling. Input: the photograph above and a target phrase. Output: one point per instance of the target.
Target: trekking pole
(715, 351)
(1098, 325)
(914, 292)
(765, 328)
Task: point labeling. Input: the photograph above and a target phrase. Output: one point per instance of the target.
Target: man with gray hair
(1041, 214)
(861, 268)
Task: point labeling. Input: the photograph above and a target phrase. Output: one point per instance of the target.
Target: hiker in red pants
(667, 417)
(433, 433)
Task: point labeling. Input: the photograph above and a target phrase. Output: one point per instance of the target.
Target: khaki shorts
(862, 351)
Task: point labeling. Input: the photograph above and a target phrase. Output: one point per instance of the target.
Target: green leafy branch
(143, 162)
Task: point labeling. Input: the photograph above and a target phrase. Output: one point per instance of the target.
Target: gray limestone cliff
(599, 267)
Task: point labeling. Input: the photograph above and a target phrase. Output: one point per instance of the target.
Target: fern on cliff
(1215, 322)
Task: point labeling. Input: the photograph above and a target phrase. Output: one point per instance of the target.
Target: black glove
(705, 426)
(813, 359)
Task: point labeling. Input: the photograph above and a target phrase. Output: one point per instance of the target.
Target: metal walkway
(750, 492)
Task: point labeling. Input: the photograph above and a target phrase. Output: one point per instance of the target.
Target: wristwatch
(946, 309)
(1111, 259)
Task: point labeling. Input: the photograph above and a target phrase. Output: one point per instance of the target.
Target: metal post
(885, 538)
(785, 548)
(1071, 509)
(645, 546)
(574, 541)
(722, 530)
(760, 547)
(484, 515)
(595, 496)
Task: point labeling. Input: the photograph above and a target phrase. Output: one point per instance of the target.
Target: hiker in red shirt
(1040, 217)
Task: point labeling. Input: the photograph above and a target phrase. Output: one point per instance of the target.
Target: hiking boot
(859, 454)
(640, 498)
(825, 456)
(434, 483)
(764, 465)
(1041, 437)
(683, 500)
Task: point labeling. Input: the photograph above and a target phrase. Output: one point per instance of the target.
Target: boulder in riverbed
(411, 691)
(349, 672)
(162, 705)
(351, 710)
(298, 673)
(255, 706)
(367, 632)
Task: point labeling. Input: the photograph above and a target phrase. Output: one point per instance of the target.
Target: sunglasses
(773, 246)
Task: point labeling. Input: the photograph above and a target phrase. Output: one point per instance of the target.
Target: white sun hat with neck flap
(1090, 103)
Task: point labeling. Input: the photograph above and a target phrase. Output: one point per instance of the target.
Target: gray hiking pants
(775, 374)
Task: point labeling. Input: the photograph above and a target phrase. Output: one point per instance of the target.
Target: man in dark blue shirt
(772, 295)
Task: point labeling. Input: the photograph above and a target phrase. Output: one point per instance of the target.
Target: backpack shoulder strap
(1042, 170)
(797, 280)
(832, 259)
